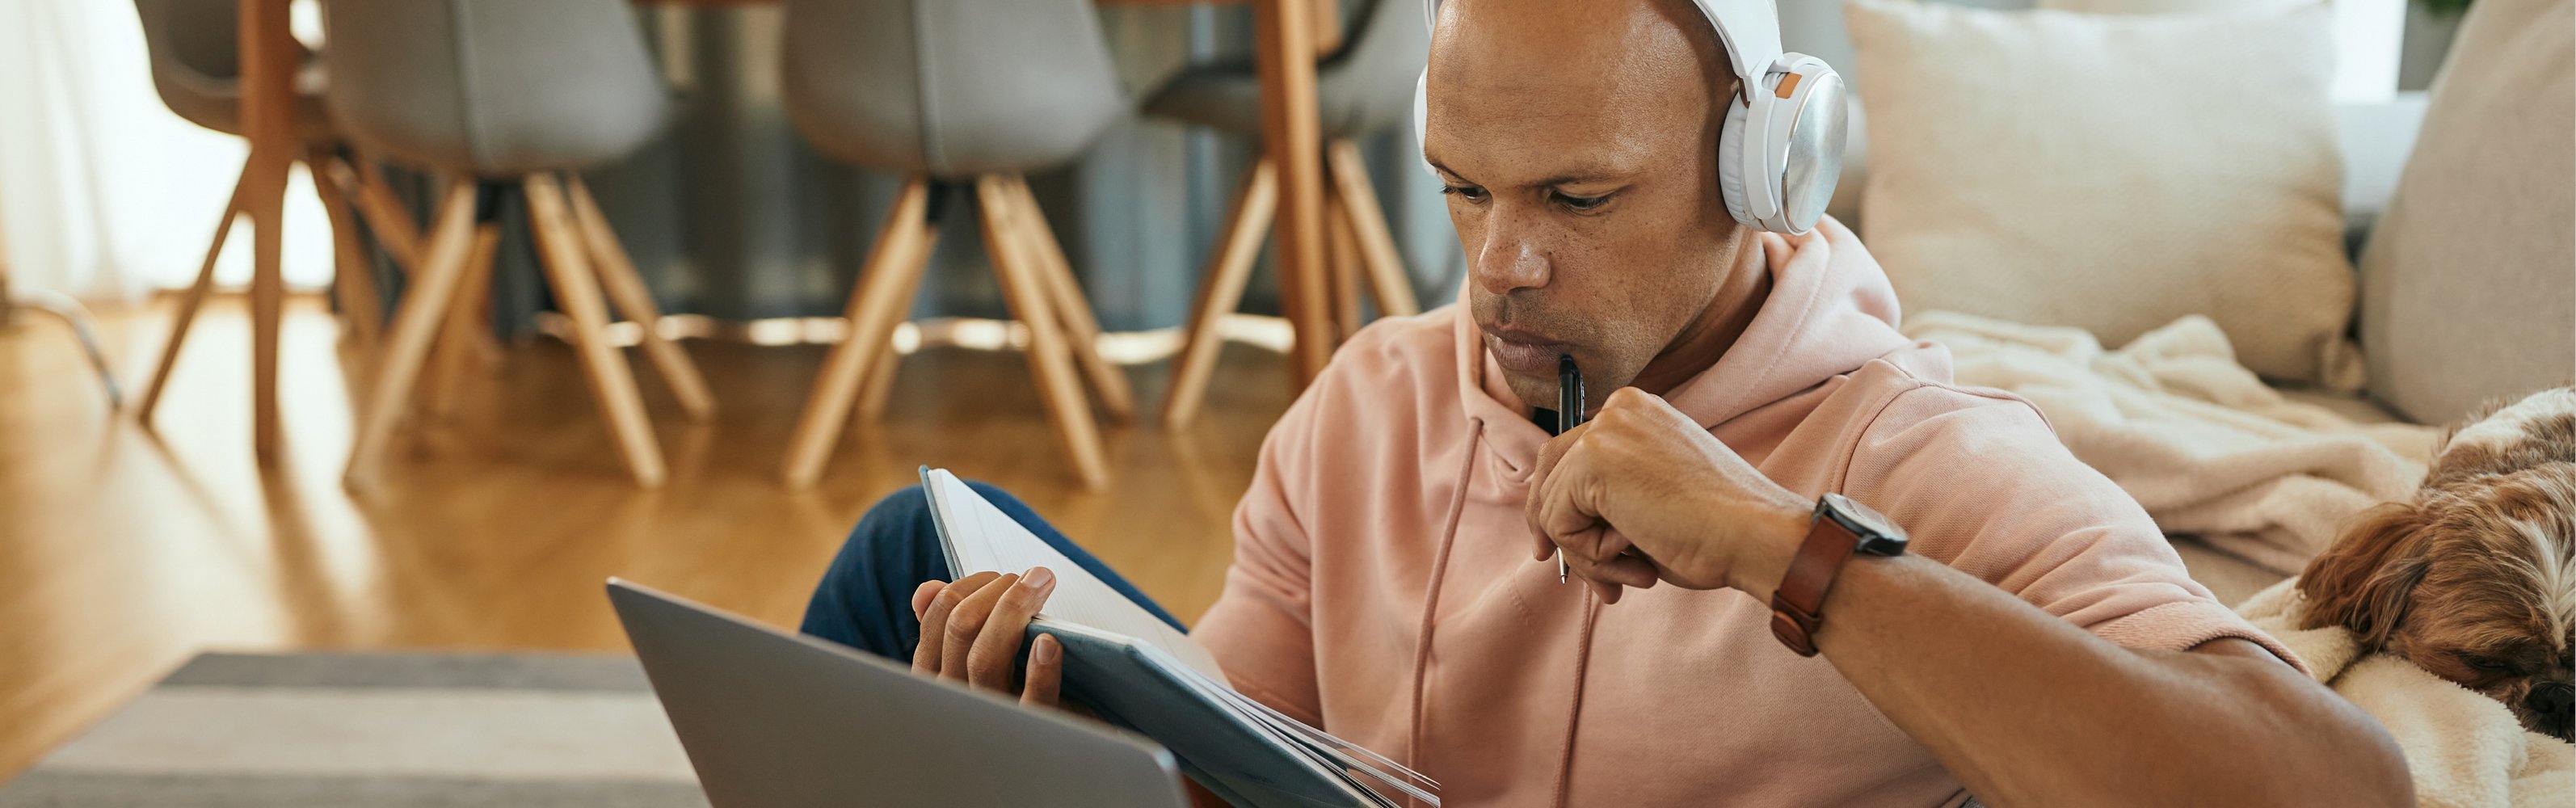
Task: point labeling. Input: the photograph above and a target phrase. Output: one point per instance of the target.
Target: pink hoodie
(1383, 589)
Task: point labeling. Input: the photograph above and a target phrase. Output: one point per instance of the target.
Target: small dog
(2475, 579)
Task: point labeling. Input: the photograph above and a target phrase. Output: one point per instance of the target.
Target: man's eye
(1581, 202)
(1470, 193)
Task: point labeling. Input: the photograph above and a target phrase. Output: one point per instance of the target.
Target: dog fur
(2474, 579)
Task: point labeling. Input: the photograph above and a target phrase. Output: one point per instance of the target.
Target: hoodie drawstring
(1431, 598)
(1574, 711)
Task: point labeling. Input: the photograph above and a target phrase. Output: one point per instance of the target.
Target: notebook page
(981, 538)
(1353, 760)
(1130, 683)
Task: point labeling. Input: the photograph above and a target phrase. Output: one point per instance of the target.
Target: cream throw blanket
(2195, 437)
(2465, 750)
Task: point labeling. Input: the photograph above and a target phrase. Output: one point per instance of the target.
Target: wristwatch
(1841, 528)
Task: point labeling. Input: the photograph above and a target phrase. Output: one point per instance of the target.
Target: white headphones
(1781, 148)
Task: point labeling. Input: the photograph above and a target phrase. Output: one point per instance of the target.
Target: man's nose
(2552, 700)
(1506, 264)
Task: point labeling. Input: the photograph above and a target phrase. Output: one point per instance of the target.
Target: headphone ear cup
(1421, 116)
(1810, 140)
(1730, 163)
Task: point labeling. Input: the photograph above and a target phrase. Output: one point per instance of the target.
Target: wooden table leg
(268, 59)
(1293, 137)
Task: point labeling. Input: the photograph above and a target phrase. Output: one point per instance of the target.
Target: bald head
(1578, 142)
(1633, 70)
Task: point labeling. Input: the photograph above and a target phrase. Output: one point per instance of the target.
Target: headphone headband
(1750, 32)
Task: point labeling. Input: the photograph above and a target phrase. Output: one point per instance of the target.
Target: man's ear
(2362, 582)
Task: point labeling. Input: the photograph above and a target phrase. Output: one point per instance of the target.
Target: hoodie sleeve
(1979, 482)
(1261, 630)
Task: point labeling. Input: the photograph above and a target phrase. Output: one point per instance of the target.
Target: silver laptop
(775, 720)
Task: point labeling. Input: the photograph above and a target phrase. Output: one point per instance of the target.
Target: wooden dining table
(1289, 35)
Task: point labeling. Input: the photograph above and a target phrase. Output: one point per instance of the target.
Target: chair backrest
(196, 36)
(196, 66)
(1369, 81)
(949, 87)
(496, 87)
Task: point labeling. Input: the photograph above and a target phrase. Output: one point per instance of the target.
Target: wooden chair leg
(195, 299)
(627, 291)
(1220, 290)
(880, 384)
(1051, 364)
(1392, 286)
(576, 288)
(894, 265)
(416, 321)
(386, 216)
(353, 277)
(1341, 258)
(1072, 309)
(468, 325)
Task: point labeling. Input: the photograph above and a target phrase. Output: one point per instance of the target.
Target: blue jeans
(865, 599)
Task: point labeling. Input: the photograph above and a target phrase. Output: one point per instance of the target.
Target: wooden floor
(124, 551)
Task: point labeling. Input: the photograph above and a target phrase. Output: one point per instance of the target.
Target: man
(2036, 643)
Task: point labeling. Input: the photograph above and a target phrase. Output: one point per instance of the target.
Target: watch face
(1879, 535)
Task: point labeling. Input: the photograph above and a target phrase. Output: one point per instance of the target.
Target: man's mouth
(1523, 351)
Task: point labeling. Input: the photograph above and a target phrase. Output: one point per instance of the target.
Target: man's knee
(900, 535)
(896, 531)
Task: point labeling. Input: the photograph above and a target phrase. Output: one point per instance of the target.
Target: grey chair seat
(499, 88)
(1366, 87)
(949, 88)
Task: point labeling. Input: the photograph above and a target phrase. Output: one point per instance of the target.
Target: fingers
(1775, 253)
(1568, 523)
(1608, 593)
(1046, 672)
(1550, 456)
(934, 620)
(1833, 229)
(1625, 569)
(1626, 400)
(922, 595)
(966, 622)
(990, 655)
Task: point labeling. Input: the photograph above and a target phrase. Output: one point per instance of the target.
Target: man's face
(1578, 141)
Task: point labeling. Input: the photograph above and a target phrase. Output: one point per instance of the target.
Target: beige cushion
(2112, 173)
(2469, 280)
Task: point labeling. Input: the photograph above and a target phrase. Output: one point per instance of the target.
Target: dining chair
(1362, 88)
(508, 98)
(957, 97)
(197, 72)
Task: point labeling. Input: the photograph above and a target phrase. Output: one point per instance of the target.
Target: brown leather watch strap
(1795, 605)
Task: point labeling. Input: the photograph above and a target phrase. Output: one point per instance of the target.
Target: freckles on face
(1610, 289)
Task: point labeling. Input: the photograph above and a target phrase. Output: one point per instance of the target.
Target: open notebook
(1136, 671)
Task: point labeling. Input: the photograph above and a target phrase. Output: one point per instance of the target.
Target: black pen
(1569, 414)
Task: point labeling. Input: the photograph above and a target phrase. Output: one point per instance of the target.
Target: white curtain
(104, 193)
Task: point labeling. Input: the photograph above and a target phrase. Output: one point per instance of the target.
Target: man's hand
(971, 632)
(1642, 493)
